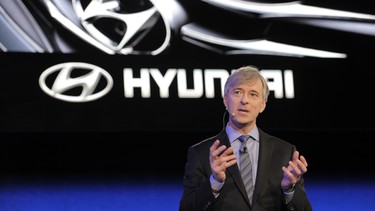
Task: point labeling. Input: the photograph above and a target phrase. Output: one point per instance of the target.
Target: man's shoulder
(274, 139)
(206, 143)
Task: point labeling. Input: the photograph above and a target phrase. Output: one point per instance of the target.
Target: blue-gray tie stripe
(245, 167)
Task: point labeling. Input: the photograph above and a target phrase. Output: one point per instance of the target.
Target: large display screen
(109, 65)
(81, 78)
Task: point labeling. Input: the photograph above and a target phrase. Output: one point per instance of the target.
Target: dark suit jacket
(273, 154)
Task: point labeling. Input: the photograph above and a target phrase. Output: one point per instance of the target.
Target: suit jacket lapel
(234, 171)
(266, 150)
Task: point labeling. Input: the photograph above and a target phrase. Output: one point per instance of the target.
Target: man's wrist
(215, 185)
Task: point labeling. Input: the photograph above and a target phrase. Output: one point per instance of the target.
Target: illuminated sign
(280, 82)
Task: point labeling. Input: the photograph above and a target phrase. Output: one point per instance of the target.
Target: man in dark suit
(213, 179)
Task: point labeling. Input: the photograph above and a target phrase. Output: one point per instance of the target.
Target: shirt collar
(233, 134)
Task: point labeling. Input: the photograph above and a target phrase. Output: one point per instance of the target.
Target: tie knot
(243, 138)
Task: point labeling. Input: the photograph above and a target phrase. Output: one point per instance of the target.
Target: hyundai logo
(75, 82)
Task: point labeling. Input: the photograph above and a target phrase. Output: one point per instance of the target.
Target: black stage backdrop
(330, 118)
(326, 106)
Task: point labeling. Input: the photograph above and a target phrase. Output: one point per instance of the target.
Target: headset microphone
(227, 111)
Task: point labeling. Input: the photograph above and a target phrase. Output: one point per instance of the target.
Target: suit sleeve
(197, 193)
(300, 201)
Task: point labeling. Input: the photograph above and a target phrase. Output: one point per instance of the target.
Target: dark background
(339, 154)
(330, 120)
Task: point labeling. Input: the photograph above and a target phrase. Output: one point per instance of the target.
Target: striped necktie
(246, 167)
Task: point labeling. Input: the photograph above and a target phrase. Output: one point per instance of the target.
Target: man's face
(245, 102)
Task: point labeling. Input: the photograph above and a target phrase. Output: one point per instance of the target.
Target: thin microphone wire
(224, 122)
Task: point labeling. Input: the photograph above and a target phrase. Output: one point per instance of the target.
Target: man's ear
(263, 106)
(225, 102)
